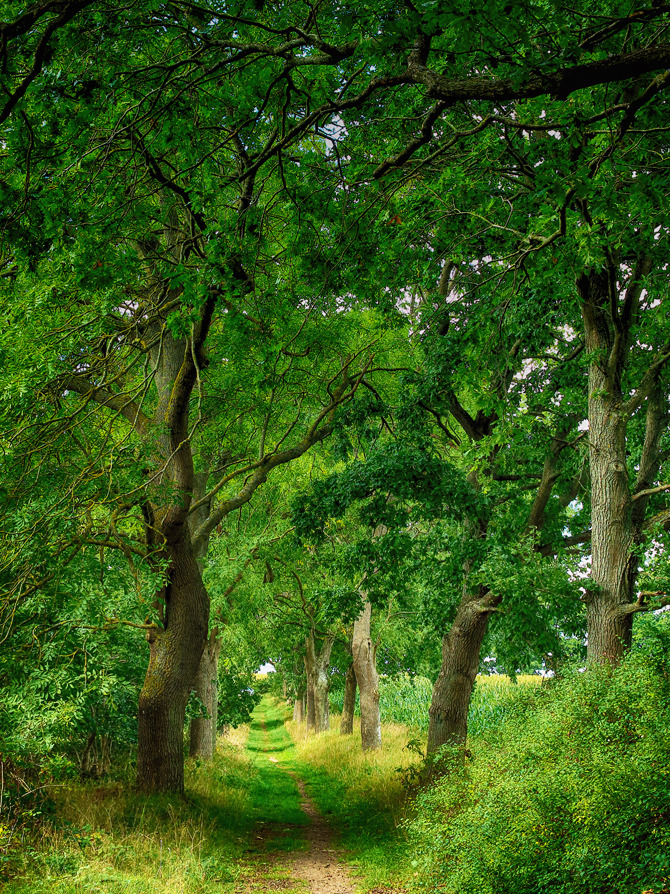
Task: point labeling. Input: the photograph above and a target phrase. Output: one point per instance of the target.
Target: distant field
(406, 699)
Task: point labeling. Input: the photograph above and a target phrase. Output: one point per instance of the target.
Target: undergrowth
(569, 795)
(564, 789)
(103, 837)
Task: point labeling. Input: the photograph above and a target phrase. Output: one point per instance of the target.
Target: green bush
(569, 795)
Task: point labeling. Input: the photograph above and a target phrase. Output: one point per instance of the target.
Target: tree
(168, 198)
(364, 664)
(149, 283)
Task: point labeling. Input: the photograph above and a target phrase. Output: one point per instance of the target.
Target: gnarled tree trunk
(311, 722)
(206, 687)
(617, 506)
(609, 629)
(316, 665)
(174, 658)
(299, 707)
(461, 648)
(363, 653)
(203, 730)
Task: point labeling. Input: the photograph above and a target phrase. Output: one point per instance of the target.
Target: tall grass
(362, 793)
(104, 838)
(405, 699)
(493, 698)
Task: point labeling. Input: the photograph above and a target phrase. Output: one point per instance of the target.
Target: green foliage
(393, 475)
(570, 792)
(237, 698)
(75, 669)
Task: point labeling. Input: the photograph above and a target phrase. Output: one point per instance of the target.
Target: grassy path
(294, 845)
(251, 822)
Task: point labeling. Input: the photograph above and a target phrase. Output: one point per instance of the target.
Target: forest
(334, 426)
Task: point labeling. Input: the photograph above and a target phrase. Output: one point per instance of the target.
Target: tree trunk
(316, 665)
(299, 708)
(175, 653)
(609, 630)
(614, 521)
(363, 653)
(349, 703)
(204, 729)
(461, 647)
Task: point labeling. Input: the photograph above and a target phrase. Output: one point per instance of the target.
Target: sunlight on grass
(362, 793)
(374, 776)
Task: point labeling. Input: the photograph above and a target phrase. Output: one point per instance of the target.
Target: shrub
(570, 794)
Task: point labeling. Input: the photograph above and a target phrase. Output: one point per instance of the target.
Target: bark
(175, 652)
(461, 647)
(299, 708)
(311, 723)
(316, 664)
(614, 530)
(204, 729)
(363, 652)
(349, 703)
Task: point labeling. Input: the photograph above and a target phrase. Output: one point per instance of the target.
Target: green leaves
(397, 481)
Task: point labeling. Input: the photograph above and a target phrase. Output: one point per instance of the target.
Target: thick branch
(120, 403)
(559, 84)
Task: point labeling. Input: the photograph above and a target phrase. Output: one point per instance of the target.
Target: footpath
(294, 849)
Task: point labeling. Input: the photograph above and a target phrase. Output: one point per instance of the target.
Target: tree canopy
(426, 241)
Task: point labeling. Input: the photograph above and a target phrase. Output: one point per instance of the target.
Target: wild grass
(105, 838)
(405, 699)
(362, 793)
(493, 698)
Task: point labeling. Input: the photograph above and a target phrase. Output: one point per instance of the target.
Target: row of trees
(429, 243)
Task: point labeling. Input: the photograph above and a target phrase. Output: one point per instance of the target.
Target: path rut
(318, 869)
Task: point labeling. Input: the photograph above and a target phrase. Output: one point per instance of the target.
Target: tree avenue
(131, 295)
(223, 224)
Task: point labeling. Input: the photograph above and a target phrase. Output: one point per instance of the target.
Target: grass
(275, 800)
(492, 698)
(405, 699)
(105, 838)
(240, 813)
(361, 793)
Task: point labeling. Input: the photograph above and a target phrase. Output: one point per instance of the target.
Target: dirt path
(319, 866)
(317, 869)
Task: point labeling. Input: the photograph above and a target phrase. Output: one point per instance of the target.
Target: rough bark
(175, 652)
(609, 629)
(299, 712)
(363, 653)
(203, 729)
(616, 524)
(461, 647)
(349, 703)
(310, 716)
(316, 664)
